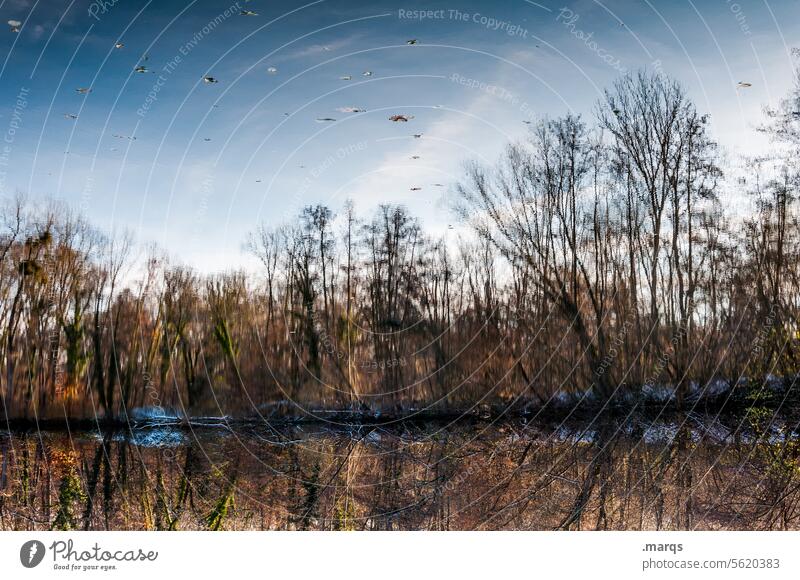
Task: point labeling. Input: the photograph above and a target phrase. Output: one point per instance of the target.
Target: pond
(693, 472)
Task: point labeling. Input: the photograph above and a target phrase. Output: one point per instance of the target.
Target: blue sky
(211, 160)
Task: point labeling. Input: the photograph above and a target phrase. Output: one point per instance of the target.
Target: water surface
(693, 473)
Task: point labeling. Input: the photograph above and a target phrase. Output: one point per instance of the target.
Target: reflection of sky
(198, 197)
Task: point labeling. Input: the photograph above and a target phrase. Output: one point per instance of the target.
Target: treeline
(602, 258)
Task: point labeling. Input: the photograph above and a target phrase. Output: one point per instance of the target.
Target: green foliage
(347, 329)
(215, 518)
(225, 340)
(345, 514)
(77, 358)
(69, 492)
(782, 460)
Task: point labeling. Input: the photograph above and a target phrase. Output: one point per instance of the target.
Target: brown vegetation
(662, 476)
(604, 257)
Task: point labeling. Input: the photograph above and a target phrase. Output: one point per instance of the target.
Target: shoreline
(580, 409)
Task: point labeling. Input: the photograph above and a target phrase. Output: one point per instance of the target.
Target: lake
(693, 472)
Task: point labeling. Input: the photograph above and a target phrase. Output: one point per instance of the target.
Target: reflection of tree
(92, 477)
(597, 472)
(623, 475)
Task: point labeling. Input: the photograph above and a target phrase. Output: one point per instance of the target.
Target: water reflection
(695, 473)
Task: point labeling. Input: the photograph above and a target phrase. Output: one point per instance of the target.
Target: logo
(31, 553)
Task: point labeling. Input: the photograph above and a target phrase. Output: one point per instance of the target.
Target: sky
(300, 110)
